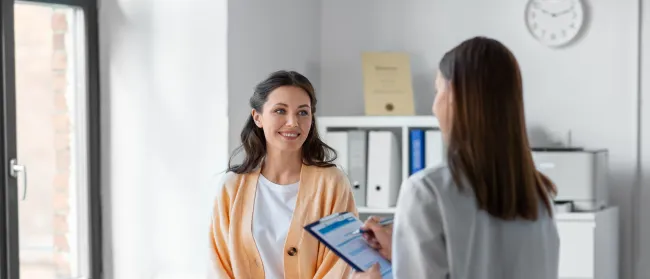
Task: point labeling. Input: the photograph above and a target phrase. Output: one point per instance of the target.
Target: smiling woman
(286, 181)
(282, 116)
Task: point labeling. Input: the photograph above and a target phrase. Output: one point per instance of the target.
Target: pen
(383, 223)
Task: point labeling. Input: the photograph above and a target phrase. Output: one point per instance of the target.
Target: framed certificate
(388, 87)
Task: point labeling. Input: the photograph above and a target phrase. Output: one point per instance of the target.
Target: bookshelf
(400, 125)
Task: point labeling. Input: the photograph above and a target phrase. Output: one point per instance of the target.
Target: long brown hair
(314, 151)
(488, 144)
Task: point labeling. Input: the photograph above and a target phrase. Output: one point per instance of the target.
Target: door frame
(9, 258)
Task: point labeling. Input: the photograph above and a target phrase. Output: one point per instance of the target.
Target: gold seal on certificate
(388, 89)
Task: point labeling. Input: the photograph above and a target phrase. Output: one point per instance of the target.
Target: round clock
(555, 22)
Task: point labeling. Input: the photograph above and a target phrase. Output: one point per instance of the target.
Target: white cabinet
(589, 244)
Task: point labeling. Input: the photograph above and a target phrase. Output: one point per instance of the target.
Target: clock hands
(537, 5)
(542, 9)
(563, 12)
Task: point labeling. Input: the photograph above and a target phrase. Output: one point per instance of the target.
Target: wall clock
(555, 23)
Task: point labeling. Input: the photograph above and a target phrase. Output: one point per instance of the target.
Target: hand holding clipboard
(384, 222)
(337, 232)
(379, 235)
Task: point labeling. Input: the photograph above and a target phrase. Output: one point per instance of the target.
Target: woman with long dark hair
(286, 181)
(487, 213)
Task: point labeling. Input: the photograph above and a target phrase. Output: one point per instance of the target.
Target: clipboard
(336, 232)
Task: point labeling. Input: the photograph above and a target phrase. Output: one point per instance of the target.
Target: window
(52, 130)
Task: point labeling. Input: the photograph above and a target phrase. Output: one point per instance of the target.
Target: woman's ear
(257, 118)
(450, 89)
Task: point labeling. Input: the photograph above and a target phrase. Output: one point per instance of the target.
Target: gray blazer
(440, 233)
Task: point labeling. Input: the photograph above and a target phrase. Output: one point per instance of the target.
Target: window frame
(8, 207)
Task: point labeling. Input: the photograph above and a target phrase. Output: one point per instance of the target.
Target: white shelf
(370, 210)
(575, 216)
(377, 121)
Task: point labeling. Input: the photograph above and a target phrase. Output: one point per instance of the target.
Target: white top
(440, 233)
(272, 212)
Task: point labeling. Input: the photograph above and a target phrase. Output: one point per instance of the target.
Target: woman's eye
(279, 111)
(303, 113)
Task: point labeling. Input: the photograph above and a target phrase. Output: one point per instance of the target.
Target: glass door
(50, 138)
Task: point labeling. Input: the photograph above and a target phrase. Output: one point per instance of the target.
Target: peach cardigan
(322, 191)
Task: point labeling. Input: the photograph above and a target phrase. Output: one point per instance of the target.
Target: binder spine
(416, 151)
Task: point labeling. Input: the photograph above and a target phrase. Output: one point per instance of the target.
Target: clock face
(554, 22)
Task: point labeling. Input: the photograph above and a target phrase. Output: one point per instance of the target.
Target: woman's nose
(292, 121)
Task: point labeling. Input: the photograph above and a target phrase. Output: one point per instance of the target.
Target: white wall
(589, 88)
(265, 36)
(164, 97)
(644, 218)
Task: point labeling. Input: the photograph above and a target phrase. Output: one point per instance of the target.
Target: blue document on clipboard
(337, 233)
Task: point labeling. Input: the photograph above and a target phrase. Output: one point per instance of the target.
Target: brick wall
(61, 125)
(43, 96)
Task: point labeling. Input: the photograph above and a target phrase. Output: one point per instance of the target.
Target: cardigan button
(292, 251)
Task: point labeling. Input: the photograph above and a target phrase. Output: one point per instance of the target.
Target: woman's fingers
(377, 235)
(370, 222)
(374, 245)
(373, 218)
(371, 240)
